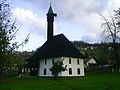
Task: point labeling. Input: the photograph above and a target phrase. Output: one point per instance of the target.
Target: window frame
(53, 61)
(69, 60)
(70, 71)
(78, 62)
(78, 71)
(45, 72)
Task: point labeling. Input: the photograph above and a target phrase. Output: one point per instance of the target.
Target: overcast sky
(76, 19)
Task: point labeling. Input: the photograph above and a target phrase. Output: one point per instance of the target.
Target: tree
(100, 53)
(57, 68)
(8, 31)
(111, 32)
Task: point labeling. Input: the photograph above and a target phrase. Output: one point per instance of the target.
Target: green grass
(103, 81)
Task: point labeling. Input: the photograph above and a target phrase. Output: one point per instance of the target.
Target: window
(53, 61)
(45, 61)
(52, 73)
(32, 69)
(70, 70)
(69, 60)
(78, 70)
(45, 71)
(35, 68)
(78, 61)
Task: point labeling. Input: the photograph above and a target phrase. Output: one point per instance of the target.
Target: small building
(57, 48)
(90, 63)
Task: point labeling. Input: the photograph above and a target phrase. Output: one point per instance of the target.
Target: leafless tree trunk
(111, 33)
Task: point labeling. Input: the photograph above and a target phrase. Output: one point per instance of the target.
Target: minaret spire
(50, 20)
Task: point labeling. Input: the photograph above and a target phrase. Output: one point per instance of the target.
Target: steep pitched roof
(88, 58)
(50, 10)
(57, 46)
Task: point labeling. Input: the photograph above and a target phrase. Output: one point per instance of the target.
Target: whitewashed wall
(73, 65)
(47, 66)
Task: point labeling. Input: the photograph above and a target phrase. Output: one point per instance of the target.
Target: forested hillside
(102, 52)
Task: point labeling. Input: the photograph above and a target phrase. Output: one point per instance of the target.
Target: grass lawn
(99, 81)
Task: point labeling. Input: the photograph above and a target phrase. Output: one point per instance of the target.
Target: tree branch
(14, 33)
(25, 41)
(107, 23)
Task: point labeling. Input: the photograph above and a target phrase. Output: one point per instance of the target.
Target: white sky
(76, 19)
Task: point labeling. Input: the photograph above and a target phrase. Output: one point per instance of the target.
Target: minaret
(50, 20)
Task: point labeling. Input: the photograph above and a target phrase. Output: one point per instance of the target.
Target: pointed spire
(50, 20)
(50, 9)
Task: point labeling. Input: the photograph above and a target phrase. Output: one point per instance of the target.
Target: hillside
(103, 52)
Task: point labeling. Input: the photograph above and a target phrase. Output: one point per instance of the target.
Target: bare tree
(111, 32)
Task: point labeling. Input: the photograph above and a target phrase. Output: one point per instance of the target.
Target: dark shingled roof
(57, 46)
